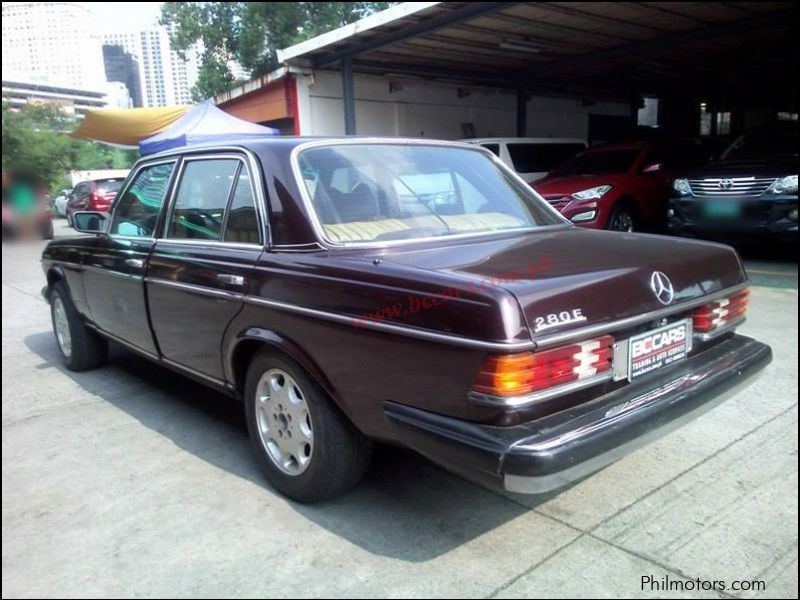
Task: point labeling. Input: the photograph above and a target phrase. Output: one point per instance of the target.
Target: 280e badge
(560, 318)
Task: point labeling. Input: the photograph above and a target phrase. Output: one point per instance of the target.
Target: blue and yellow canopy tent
(163, 128)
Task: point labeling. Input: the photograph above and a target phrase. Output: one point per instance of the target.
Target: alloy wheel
(284, 422)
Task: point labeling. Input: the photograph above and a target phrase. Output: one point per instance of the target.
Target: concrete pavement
(132, 481)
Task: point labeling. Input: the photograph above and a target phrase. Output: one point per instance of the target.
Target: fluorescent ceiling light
(521, 46)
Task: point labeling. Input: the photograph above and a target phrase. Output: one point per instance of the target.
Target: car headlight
(594, 193)
(784, 185)
(682, 187)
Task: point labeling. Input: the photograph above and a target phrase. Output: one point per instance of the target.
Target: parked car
(60, 203)
(532, 158)
(95, 195)
(622, 186)
(346, 295)
(750, 191)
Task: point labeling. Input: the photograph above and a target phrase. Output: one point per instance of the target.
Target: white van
(532, 158)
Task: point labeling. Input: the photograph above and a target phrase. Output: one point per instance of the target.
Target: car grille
(734, 186)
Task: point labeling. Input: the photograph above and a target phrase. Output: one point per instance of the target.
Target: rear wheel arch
(248, 344)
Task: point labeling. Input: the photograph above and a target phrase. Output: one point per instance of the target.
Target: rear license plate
(722, 209)
(658, 348)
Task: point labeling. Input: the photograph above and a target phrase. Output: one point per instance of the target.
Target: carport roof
(618, 47)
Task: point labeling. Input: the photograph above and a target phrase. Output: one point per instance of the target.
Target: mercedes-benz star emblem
(725, 184)
(662, 287)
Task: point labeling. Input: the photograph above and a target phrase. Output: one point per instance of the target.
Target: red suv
(623, 186)
(93, 195)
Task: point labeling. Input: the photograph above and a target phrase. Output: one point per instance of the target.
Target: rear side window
(538, 158)
(493, 148)
(80, 189)
(242, 221)
(203, 193)
(136, 212)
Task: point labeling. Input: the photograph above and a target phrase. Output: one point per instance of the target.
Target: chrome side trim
(601, 328)
(390, 328)
(319, 231)
(195, 289)
(194, 372)
(704, 337)
(112, 272)
(210, 243)
(122, 342)
(529, 399)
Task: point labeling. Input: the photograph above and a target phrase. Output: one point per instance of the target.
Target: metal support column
(348, 98)
(522, 112)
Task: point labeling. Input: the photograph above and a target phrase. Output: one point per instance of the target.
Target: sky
(120, 16)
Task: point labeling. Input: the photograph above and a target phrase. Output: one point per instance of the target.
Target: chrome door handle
(134, 263)
(229, 279)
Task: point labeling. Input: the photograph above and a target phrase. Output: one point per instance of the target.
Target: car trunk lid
(568, 278)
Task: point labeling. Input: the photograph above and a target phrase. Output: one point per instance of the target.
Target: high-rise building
(165, 78)
(51, 43)
(123, 67)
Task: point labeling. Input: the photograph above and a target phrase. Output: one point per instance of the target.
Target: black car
(751, 190)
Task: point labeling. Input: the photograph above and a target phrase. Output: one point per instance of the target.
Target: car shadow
(405, 508)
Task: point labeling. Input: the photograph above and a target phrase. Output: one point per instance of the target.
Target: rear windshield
(107, 186)
(603, 162)
(539, 158)
(364, 193)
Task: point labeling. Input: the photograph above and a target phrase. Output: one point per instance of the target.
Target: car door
(114, 270)
(201, 264)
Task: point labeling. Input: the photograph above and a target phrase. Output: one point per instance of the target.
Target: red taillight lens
(717, 314)
(517, 374)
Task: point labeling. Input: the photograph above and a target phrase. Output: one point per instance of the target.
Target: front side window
(136, 212)
(203, 192)
(365, 193)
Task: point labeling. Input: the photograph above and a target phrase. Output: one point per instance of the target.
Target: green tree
(36, 144)
(250, 33)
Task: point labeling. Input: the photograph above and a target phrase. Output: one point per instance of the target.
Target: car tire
(623, 218)
(307, 449)
(80, 347)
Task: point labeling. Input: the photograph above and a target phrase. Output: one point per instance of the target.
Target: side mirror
(653, 168)
(85, 221)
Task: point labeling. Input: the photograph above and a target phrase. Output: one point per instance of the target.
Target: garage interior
(683, 68)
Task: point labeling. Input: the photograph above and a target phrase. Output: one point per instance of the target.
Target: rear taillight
(98, 201)
(517, 374)
(718, 314)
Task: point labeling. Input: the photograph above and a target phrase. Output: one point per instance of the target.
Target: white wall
(434, 110)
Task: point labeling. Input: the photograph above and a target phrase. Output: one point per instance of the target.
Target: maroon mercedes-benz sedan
(350, 291)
